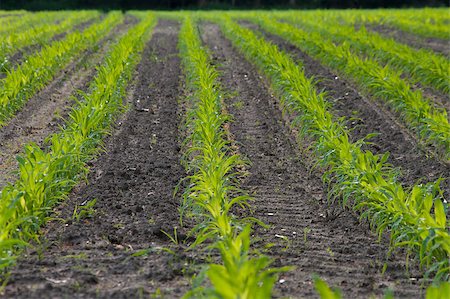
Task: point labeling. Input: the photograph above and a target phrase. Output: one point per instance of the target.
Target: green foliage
(422, 65)
(325, 292)
(428, 22)
(439, 291)
(12, 24)
(416, 217)
(39, 34)
(241, 276)
(85, 210)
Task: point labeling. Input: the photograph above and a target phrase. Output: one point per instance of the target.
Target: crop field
(225, 154)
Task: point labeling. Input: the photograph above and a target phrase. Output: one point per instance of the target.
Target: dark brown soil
(18, 57)
(370, 116)
(41, 116)
(79, 27)
(290, 198)
(133, 184)
(435, 44)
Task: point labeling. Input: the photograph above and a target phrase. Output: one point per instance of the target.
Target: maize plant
(39, 69)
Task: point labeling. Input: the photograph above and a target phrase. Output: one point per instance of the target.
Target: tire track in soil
(370, 117)
(133, 184)
(40, 116)
(292, 201)
(429, 43)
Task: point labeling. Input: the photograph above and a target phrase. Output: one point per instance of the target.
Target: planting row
(423, 66)
(13, 24)
(424, 22)
(415, 216)
(38, 34)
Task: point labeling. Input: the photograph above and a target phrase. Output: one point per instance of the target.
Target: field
(244, 154)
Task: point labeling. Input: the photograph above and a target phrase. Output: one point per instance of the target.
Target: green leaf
(439, 213)
(325, 292)
(437, 292)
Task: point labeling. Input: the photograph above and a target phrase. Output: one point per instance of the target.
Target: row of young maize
(441, 30)
(16, 23)
(47, 175)
(431, 23)
(213, 189)
(424, 66)
(415, 217)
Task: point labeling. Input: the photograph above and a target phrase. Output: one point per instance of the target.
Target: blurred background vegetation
(211, 4)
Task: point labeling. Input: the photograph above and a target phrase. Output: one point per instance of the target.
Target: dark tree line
(211, 4)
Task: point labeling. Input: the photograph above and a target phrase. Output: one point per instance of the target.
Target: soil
(120, 250)
(79, 27)
(42, 114)
(366, 115)
(133, 183)
(435, 44)
(304, 232)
